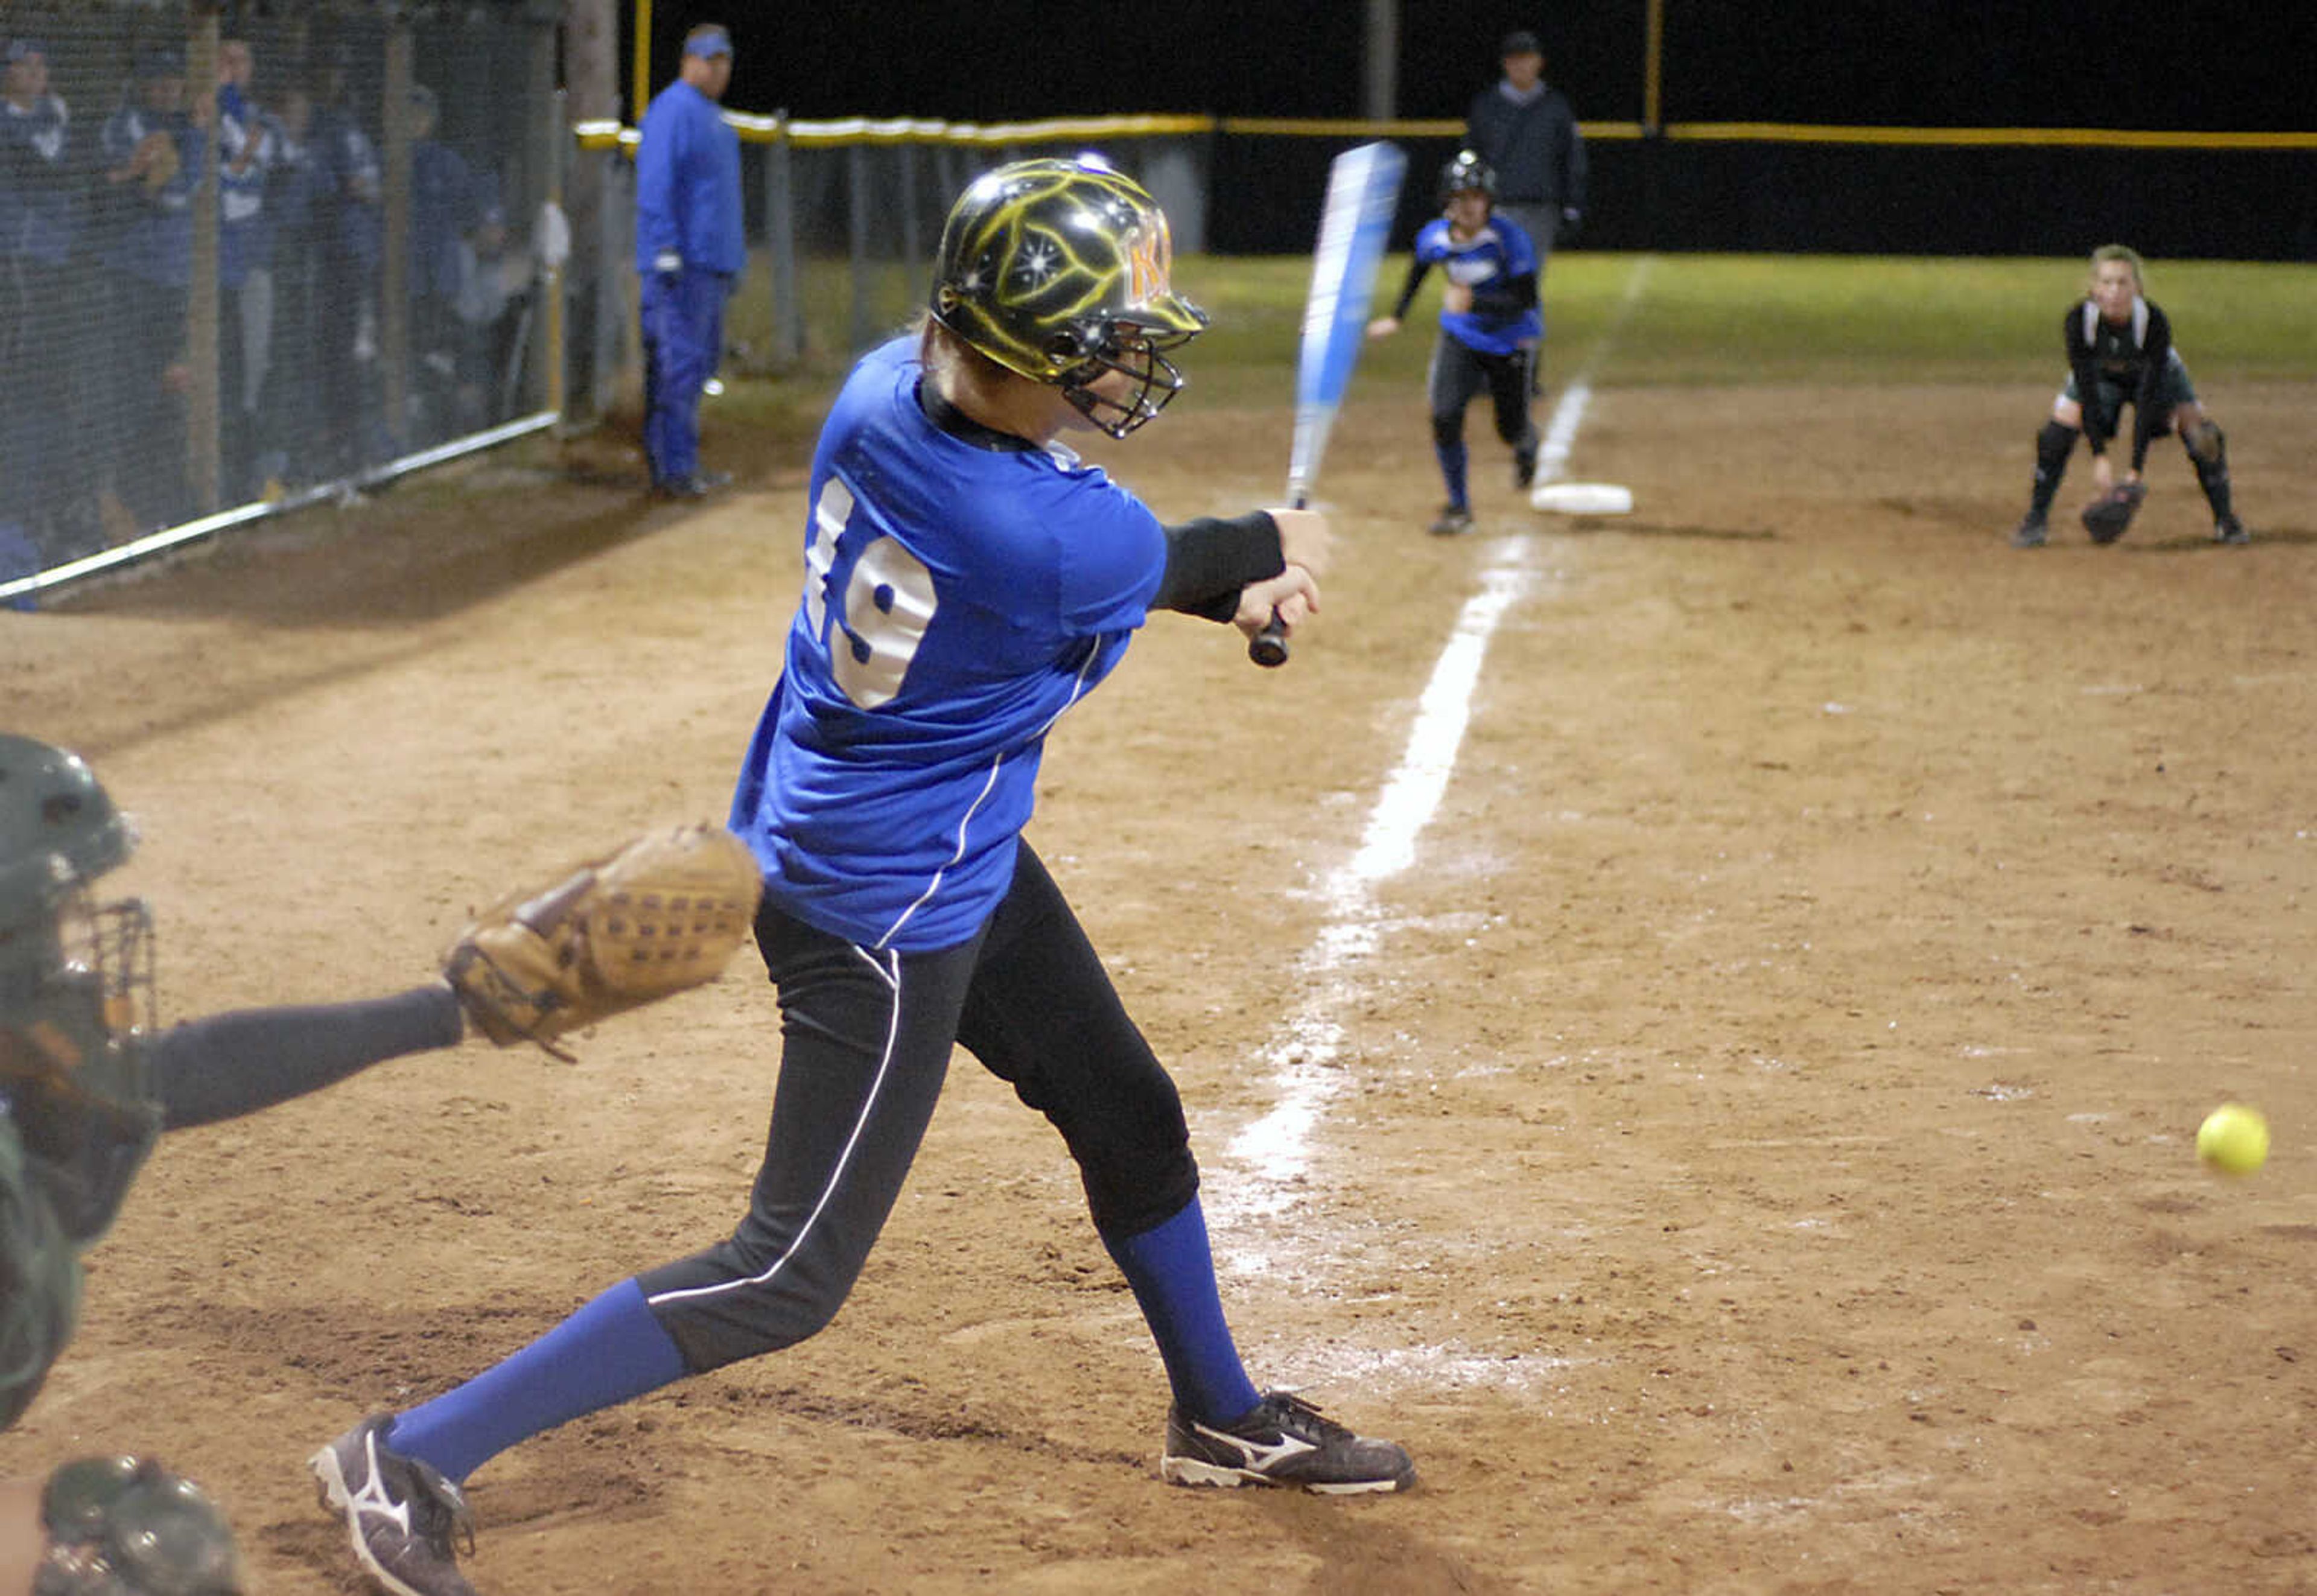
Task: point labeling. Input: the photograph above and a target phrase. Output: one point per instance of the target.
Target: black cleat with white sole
(400, 1513)
(1284, 1441)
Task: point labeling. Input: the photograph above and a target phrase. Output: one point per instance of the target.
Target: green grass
(1696, 320)
(1712, 318)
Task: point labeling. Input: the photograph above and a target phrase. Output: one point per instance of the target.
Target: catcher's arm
(664, 914)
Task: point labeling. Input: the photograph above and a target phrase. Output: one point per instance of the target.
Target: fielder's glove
(664, 913)
(2107, 516)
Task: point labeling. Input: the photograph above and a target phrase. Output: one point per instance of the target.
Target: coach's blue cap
(19, 48)
(708, 43)
(1521, 43)
(155, 61)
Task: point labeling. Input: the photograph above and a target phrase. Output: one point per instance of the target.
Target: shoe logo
(373, 1497)
(1261, 1456)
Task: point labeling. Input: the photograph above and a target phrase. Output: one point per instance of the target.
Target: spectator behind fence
(247, 143)
(443, 206)
(38, 217)
(151, 152)
(688, 250)
(295, 435)
(495, 278)
(349, 222)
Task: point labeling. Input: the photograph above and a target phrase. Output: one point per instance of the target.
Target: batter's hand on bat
(1285, 599)
(1304, 539)
(1384, 327)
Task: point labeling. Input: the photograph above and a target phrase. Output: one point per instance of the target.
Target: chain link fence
(252, 255)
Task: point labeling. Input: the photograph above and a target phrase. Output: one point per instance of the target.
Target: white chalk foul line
(1274, 1152)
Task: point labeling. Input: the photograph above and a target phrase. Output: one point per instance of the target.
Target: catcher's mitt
(665, 913)
(2107, 516)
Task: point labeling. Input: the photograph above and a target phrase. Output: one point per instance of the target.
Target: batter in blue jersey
(965, 582)
(1489, 328)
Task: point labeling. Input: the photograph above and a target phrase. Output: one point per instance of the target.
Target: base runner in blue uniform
(1489, 328)
(967, 580)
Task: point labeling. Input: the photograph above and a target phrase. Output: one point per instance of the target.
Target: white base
(1583, 499)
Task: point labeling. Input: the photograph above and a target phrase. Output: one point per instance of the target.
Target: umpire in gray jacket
(1523, 128)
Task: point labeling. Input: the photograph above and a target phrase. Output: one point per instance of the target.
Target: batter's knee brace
(1448, 431)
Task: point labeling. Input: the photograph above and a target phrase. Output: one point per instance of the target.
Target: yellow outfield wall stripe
(2088, 137)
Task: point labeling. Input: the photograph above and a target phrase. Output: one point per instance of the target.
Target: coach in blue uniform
(688, 251)
(1489, 326)
(967, 581)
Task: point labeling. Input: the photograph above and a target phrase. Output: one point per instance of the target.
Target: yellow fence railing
(829, 134)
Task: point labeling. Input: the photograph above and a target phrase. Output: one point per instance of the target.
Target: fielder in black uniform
(2119, 344)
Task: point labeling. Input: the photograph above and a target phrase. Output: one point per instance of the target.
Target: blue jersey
(688, 183)
(957, 600)
(1486, 263)
(151, 235)
(37, 213)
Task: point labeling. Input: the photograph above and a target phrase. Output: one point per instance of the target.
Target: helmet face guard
(1061, 272)
(1152, 380)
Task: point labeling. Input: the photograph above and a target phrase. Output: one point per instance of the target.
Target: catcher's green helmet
(63, 959)
(1060, 271)
(58, 829)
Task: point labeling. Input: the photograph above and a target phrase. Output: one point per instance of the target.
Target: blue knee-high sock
(608, 1352)
(1451, 470)
(1172, 1270)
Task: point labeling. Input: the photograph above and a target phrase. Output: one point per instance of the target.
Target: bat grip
(1268, 647)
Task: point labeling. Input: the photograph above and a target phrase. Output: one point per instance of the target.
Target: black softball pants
(866, 1037)
(1458, 375)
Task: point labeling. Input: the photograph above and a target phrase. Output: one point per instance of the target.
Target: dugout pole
(641, 95)
(202, 364)
(779, 245)
(394, 272)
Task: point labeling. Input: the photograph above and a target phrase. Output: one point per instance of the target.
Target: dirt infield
(1757, 1156)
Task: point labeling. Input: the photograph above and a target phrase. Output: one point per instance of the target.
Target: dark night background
(2207, 65)
(2191, 65)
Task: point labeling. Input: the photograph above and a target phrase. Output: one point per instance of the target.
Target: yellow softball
(2233, 1139)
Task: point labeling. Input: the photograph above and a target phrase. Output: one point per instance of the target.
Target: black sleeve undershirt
(1209, 560)
(1417, 267)
(236, 1063)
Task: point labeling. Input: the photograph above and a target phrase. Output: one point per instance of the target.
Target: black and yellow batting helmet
(1059, 271)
